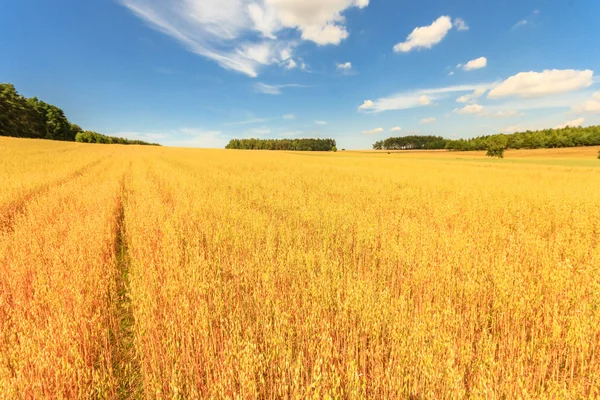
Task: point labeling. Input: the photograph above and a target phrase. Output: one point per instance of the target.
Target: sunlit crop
(132, 272)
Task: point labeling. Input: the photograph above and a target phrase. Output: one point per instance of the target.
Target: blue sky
(199, 72)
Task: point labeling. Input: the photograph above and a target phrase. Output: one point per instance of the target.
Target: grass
(177, 273)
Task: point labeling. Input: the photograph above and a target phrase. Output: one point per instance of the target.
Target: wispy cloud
(264, 88)
(418, 98)
(242, 35)
(247, 121)
(321, 122)
(529, 21)
(427, 120)
(373, 131)
(344, 66)
(460, 24)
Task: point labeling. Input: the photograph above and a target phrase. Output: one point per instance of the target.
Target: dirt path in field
(126, 365)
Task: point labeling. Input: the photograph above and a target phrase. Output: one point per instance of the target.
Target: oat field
(143, 272)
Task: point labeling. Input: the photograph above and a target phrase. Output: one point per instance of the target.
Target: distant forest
(547, 138)
(33, 118)
(283, 144)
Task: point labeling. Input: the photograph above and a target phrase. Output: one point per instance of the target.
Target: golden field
(149, 272)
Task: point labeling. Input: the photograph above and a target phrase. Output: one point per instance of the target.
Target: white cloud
(477, 63)
(575, 122)
(344, 66)
(424, 100)
(368, 104)
(521, 23)
(318, 21)
(425, 36)
(590, 106)
(290, 64)
(373, 131)
(460, 24)
(396, 129)
(264, 88)
(427, 120)
(225, 31)
(321, 122)
(538, 84)
(248, 121)
(265, 130)
(513, 129)
(450, 73)
(505, 114)
(469, 109)
(467, 98)
(289, 116)
(419, 98)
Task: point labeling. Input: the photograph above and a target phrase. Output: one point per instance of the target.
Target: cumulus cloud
(427, 120)
(344, 66)
(264, 88)
(545, 83)
(477, 63)
(420, 97)
(373, 131)
(425, 36)
(318, 21)
(396, 129)
(590, 106)
(242, 35)
(575, 122)
(460, 24)
(469, 109)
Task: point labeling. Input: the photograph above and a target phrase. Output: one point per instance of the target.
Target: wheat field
(143, 272)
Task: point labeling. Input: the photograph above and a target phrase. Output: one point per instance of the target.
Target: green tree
(496, 145)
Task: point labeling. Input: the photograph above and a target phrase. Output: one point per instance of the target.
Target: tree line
(411, 143)
(546, 138)
(570, 136)
(33, 118)
(283, 144)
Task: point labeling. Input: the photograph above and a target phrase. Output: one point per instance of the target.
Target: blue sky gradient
(199, 72)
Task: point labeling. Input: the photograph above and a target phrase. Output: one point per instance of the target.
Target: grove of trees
(411, 143)
(283, 144)
(34, 118)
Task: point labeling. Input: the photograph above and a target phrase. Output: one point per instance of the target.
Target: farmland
(151, 272)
